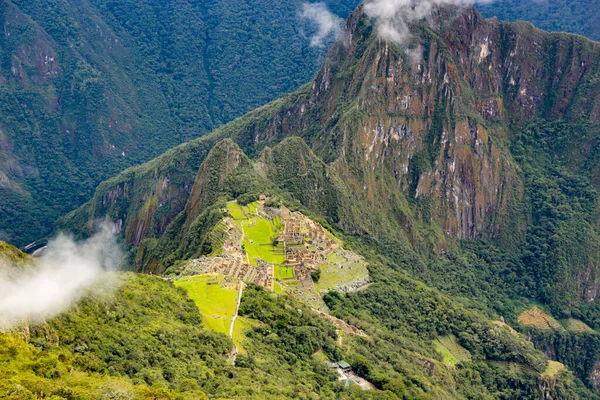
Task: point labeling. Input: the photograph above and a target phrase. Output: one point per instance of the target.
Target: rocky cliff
(429, 120)
(470, 131)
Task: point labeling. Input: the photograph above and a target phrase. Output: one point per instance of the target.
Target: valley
(420, 221)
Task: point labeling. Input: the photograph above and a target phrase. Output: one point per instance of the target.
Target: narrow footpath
(234, 350)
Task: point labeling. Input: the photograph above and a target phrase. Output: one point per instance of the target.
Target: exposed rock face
(426, 122)
(595, 377)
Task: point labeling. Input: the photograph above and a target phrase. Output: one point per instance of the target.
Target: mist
(65, 273)
(394, 16)
(328, 24)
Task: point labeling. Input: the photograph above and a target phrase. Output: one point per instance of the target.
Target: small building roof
(343, 364)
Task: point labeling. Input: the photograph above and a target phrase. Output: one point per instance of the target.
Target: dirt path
(237, 307)
(234, 350)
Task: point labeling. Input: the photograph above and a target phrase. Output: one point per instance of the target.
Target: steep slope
(575, 16)
(148, 340)
(91, 87)
(436, 131)
(465, 157)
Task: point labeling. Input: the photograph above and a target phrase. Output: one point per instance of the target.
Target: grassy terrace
(332, 275)
(259, 233)
(282, 272)
(216, 304)
(452, 352)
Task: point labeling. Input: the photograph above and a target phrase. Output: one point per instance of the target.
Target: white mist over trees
(393, 16)
(59, 278)
(327, 23)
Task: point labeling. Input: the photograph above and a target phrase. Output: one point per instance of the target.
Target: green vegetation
(216, 303)
(148, 333)
(259, 235)
(92, 87)
(240, 329)
(573, 16)
(452, 352)
(27, 372)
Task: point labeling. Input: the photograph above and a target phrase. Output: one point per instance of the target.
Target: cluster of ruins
(305, 243)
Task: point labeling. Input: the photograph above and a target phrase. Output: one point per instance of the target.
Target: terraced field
(575, 325)
(452, 352)
(215, 302)
(512, 366)
(341, 268)
(552, 369)
(235, 210)
(538, 319)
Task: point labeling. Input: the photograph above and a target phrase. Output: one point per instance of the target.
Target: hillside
(575, 16)
(465, 157)
(148, 340)
(91, 87)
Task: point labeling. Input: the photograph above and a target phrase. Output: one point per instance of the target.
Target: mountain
(464, 158)
(576, 16)
(92, 87)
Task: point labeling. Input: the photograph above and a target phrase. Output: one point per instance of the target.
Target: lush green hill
(468, 163)
(147, 340)
(91, 87)
(575, 16)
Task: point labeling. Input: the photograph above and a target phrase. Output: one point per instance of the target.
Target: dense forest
(460, 167)
(90, 88)
(574, 16)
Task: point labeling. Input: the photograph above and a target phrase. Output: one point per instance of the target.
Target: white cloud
(59, 278)
(328, 24)
(393, 16)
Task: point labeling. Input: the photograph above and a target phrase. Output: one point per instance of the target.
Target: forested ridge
(574, 16)
(90, 88)
(459, 167)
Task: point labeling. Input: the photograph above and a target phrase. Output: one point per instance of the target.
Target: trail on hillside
(234, 351)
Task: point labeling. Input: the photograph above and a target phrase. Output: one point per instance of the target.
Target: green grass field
(258, 233)
(277, 288)
(217, 305)
(235, 210)
(282, 272)
(452, 352)
(552, 369)
(332, 275)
